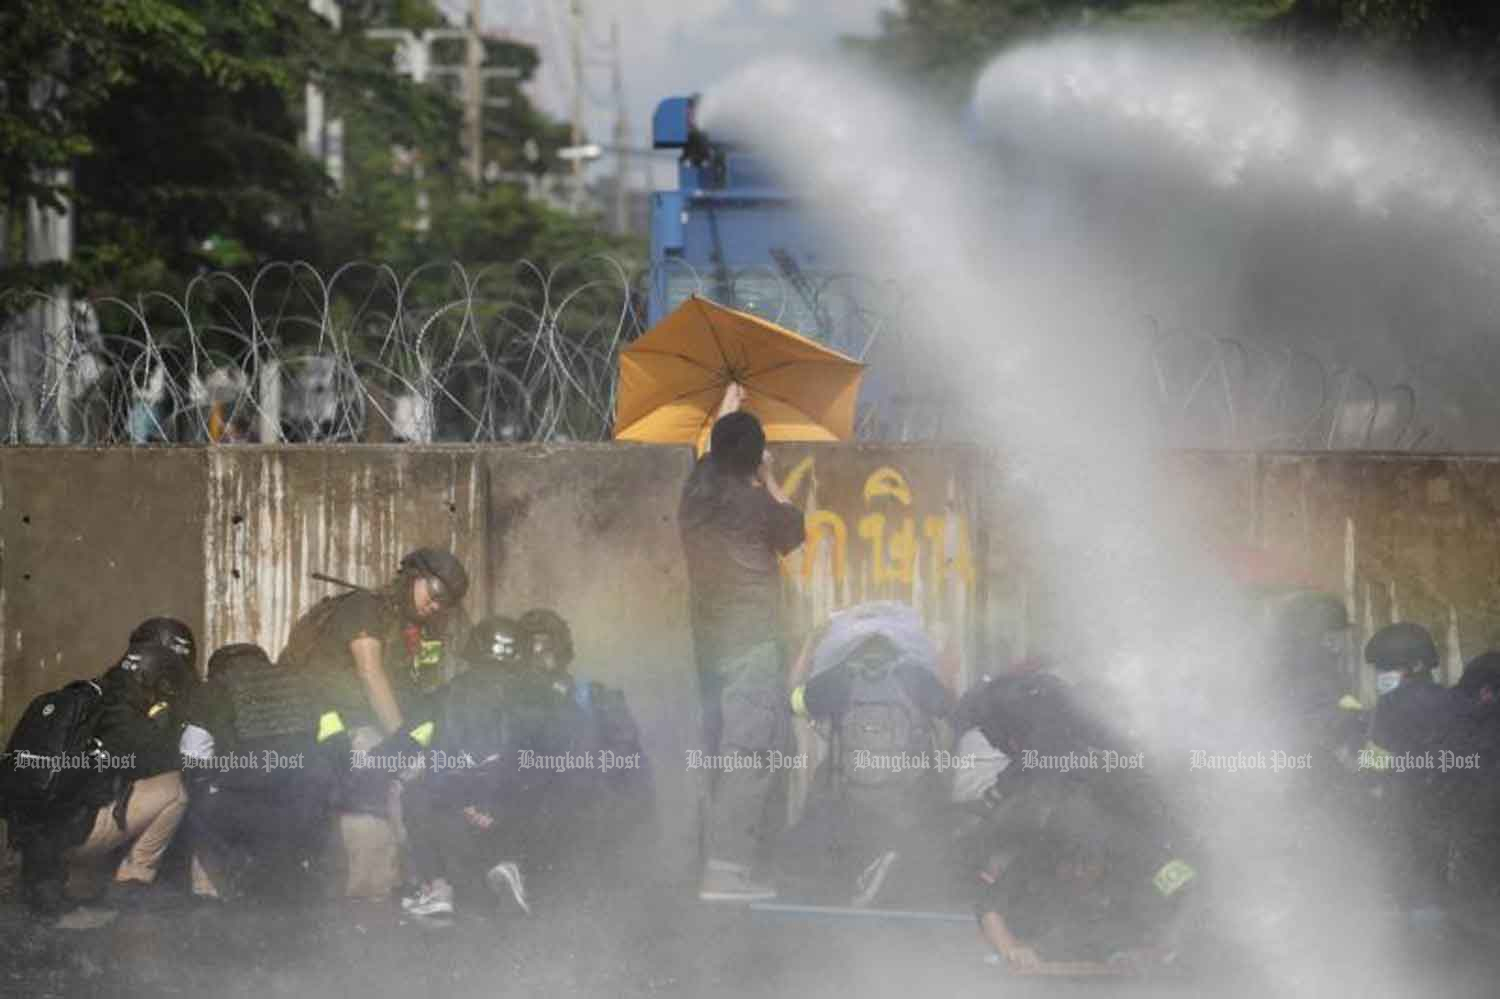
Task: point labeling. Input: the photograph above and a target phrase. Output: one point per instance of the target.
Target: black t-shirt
(350, 615)
(1134, 883)
(732, 533)
(1416, 717)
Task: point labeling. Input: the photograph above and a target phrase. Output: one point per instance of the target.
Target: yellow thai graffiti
(892, 543)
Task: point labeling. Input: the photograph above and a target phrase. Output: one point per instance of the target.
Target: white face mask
(1387, 681)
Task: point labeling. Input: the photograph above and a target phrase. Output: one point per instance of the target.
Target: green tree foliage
(1457, 39)
(182, 122)
(943, 44)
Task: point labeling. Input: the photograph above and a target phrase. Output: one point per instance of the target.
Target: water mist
(1102, 184)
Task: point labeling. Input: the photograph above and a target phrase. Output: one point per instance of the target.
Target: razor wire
(519, 353)
(291, 355)
(1228, 393)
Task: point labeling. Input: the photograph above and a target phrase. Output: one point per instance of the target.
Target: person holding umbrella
(735, 522)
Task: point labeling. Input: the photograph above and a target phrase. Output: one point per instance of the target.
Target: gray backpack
(882, 737)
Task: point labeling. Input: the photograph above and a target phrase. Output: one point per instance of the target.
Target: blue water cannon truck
(730, 230)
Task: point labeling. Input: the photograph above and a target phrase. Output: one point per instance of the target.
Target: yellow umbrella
(673, 378)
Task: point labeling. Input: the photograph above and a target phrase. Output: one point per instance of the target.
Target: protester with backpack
(260, 785)
(115, 780)
(376, 652)
(874, 693)
(1087, 860)
(597, 799)
(458, 810)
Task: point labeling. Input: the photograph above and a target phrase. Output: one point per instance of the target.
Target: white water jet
(1195, 183)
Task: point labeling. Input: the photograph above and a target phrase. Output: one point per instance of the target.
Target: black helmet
(170, 633)
(442, 565)
(1483, 671)
(1310, 613)
(238, 656)
(152, 669)
(495, 641)
(541, 621)
(1403, 646)
(1032, 711)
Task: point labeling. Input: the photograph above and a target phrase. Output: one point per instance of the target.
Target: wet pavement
(647, 941)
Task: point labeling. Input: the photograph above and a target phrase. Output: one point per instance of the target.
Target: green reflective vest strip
(329, 725)
(1172, 876)
(799, 701)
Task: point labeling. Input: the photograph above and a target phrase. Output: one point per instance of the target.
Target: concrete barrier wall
(95, 540)
(91, 543)
(227, 538)
(274, 516)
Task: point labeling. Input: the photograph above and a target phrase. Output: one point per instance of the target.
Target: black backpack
(52, 750)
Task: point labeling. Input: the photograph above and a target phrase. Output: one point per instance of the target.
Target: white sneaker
(728, 882)
(431, 900)
(869, 882)
(507, 876)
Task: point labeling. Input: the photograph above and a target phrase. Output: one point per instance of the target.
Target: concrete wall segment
(91, 541)
(95, 540)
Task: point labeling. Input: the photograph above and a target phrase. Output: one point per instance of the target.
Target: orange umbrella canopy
(673, 378)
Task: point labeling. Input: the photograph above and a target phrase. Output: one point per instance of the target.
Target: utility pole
(474, 93)
(414, 58)
(49, 238)
(324, 140)
(575, 37)
(622, 132)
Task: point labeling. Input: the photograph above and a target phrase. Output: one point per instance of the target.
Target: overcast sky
(669, 47)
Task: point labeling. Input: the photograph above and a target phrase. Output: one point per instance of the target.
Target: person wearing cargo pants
(735, 523)
(754, 722)
(153, 812)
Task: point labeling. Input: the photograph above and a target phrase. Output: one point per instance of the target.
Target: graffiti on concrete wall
(892, 539)
(888, 524)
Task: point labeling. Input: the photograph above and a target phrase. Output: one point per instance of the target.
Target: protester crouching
(260, 782)
(127, 791)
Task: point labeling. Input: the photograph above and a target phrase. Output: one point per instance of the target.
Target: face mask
(1387, 681)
